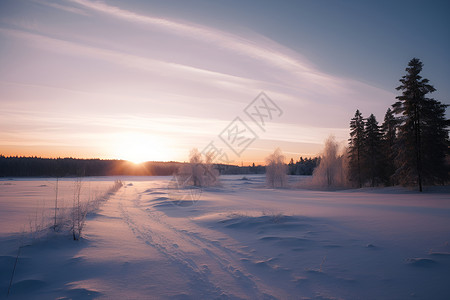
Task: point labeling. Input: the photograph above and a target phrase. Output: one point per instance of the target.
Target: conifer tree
(372, 154)
(422, 134)
(356, 148)
(389, 129)
(435, 143)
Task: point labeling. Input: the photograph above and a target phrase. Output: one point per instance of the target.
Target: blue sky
(367, 40)
(149, 80)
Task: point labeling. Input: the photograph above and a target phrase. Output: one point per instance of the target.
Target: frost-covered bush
(332, 169)
(276, 170)
(199, 172)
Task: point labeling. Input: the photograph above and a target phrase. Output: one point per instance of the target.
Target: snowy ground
(240, 240)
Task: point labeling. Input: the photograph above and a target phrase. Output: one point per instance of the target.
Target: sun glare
(138, 148)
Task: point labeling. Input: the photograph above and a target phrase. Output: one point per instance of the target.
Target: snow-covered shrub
(199, 172)
(332, 169)
(276, 170)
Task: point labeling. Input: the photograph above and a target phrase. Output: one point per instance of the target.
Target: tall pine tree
(355, 149)
(389, 135)
(435, 143)
(372, 154)
(422, 134)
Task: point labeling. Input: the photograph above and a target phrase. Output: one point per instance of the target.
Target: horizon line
(239, 164)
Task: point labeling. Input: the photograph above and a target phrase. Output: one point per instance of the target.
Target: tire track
(213, 271)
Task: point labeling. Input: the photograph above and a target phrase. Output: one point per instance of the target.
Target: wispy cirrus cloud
(180, 82)
(255, 47)
(213, 36)
(60, 6)
(124, 59)
(288, 67)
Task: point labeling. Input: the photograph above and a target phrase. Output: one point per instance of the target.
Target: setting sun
(140, 147)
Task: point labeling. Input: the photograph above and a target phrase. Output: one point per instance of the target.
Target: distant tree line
(234, 169)
(15, 166)
(411, 147)
(304, 166)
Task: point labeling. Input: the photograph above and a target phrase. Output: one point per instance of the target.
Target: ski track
(193, 255)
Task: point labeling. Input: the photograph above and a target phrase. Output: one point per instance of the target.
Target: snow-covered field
(239, 241)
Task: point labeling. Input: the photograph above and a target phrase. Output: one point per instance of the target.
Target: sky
(151, 80)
